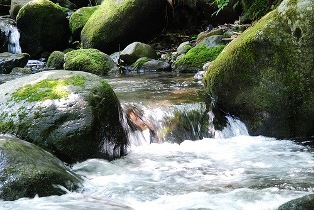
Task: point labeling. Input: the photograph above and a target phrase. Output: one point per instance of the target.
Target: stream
(226, 169)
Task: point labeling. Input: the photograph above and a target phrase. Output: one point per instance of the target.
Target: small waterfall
(12, 35)
(234, 128)
(174, 123)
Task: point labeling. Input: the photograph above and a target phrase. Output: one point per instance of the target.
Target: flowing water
(230, 170)
(12, 35)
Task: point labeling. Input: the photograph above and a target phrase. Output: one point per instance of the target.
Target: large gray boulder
(27, 170)
(117, 23)
(74, 115)
(266, 76)
(43, 27)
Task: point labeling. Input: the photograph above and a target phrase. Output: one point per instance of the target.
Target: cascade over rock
(117, 23)
(74, 115)
(265, 77)
(27, 170)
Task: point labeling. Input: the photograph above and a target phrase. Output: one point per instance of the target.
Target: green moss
(199, 55)
(6, 125)
(89, 60)
(56, 60)
(140, 62)
(47, 89)
(79, 18)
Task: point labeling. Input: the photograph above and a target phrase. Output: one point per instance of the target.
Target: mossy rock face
(79, 18)
(27, 170)
(74, 115)
(43, 27)
(89, 60)
(196, 57)
(116, 23)
(265, 77)
(56, 60)
(304, 203)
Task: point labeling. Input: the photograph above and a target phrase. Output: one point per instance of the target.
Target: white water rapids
(240, 172)
(232, 171)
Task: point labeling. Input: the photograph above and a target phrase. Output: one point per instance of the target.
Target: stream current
(230, 171)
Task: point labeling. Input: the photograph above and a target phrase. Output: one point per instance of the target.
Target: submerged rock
(27, 170)
(8, 61)
(89, 60)
(74, 115)
(265, 77)
(117, 23)
(43, 27)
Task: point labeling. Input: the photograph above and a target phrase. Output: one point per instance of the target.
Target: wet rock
(304, 203)
(8, 61)
(137, 50)
(43, 27)
(145, 64)
(27, 170)
(265, 76)
(74, 115)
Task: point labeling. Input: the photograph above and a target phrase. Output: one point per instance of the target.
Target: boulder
(265, 77)
(56, 60)
(89, 60)
(303, 203)
(119, 22)
(27, 170)
(8, 61)
(74, 115)
(137, 50)
(146, 64)
(43, 27)
(79, 18)
(196, 57)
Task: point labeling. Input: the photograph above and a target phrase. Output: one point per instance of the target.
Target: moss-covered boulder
(27, 170)
(196, 57)
(137, 50)
(79, 18)
(265, 77)
(89, 60)
(56, 60)
(303, 203)
(43, 27)
(74, 115)
(117, 23)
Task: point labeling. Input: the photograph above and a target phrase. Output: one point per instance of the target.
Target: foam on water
(241, 172)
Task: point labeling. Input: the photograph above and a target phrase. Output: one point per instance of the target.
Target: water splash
(12, 35)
